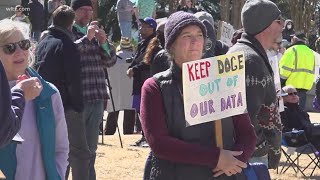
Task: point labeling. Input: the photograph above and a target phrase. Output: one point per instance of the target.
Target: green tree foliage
(108, 18)
(212, 7)
(108, 14)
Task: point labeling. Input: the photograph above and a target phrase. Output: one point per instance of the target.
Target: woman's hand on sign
(228, 164)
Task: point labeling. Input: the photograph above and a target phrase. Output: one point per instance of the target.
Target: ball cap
(150, 21)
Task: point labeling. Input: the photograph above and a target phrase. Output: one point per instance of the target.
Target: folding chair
(293, 161)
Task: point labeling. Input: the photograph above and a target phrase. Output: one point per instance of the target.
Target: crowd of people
(54, 95)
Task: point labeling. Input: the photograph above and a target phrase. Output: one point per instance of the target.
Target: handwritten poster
(225, 32)
(214, 88)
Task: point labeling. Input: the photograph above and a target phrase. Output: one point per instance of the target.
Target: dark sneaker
(141, 143)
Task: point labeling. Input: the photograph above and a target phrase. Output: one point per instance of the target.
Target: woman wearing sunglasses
(294, 118)
(43, 153)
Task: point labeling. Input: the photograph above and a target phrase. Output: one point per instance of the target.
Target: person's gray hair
(7, 29)
(287, 88)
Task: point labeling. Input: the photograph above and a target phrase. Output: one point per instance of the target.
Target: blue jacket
(11, 109)
(46, 128)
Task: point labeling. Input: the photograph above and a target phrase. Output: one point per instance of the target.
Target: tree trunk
(173, 4)
(225, 10)
(236, 13)
(301, 12)
(95, 9)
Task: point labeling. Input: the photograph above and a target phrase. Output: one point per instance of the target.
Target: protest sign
(225, 32)
(274, 63)
(214, 88)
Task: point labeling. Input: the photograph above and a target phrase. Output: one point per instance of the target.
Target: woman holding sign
(188, 153)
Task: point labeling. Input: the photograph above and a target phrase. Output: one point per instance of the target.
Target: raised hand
(31, 87)
(91, 32)
(101, 36)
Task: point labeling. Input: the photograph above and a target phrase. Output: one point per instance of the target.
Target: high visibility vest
(297, 67)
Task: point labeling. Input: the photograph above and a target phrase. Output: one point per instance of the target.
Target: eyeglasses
(12, 47)
(292, 93)
(84, 10)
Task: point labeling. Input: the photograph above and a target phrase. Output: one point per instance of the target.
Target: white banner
(274, 62)
(121, 86)
(214, 88)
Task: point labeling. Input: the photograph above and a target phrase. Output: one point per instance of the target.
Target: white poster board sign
(274, 62)
(121, 86)
(225, 32)
(214, 88)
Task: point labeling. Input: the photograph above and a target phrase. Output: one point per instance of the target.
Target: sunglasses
(292, 93)
(12, 47)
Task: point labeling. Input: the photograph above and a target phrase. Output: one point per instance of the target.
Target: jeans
(262, 159)
(125, 28)
(147, 167)
(83, 133)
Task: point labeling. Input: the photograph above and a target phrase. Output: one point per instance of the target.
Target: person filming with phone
(96, 54)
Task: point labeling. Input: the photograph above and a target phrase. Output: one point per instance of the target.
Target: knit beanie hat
(257, 15)
(176, 23)
(76, 4)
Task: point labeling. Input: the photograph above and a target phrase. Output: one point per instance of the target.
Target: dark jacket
(180, 152)
(161, 62)
(220, 48)
(11, 109)
(293, 117)
(36, 15)
(141, 71)
(59, 63)
(262, 102)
